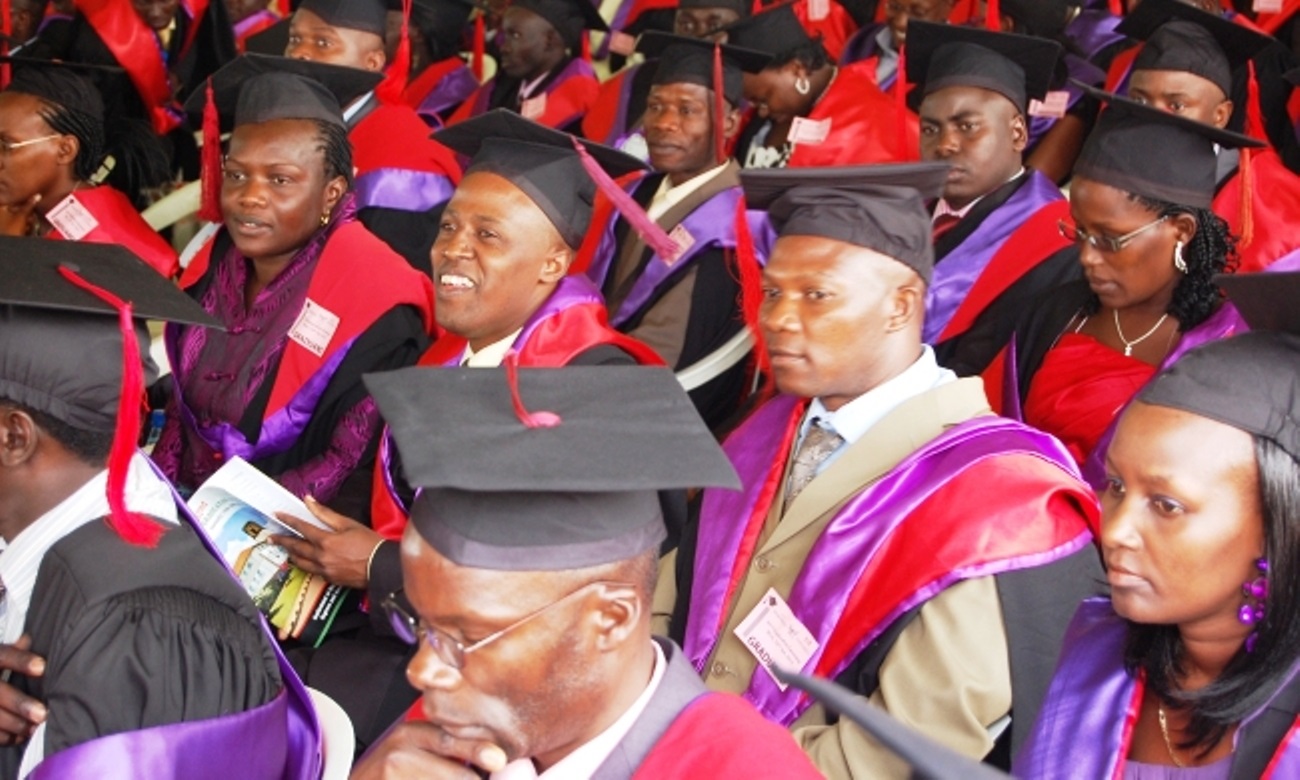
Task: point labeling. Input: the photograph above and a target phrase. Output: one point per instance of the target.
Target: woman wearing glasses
(54, 144)
(1149, 248)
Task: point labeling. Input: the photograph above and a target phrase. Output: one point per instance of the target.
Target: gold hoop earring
(324, 219)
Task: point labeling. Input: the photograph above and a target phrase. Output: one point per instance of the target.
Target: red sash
(420, 86)
(119, 223)
(863, 127)
(603, 117)
(394, 136)
(567, 98)
(1120, 67)
(1275, 210)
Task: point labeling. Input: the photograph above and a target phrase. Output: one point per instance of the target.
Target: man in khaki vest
(891, 533)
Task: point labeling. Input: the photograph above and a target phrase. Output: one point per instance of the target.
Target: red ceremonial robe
(564, 99)
(1274, 206)
(439, 89)
(115, 221)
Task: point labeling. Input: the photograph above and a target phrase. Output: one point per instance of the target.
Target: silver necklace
(1129, 345)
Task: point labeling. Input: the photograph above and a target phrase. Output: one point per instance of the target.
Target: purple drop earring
(1251, 612)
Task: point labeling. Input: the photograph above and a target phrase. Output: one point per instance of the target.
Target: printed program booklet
(237, 506)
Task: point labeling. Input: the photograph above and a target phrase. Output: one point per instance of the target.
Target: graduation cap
(775, 31)
(557, 171)
(691, 60)
(568, 485)
(1044, 18)
(273, 40)
(71, 344)
(928, 759)
(441, 21)
(568, 17)
(365, 15)
(1184, 38)
(1152, 153)
(75, 86)
(1250, 381)
(1018, 67)
(879, 207)
(741, 7)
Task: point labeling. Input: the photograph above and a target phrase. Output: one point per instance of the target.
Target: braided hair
(333, 143)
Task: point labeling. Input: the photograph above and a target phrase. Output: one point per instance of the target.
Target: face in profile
(33, 168)
(1182, 523)
(525, 43)
(496, 259)
(274, 189)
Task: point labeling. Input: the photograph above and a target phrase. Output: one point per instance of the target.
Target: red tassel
(1254, 117)
(719, 108)
(1255, 129)
(649, 231)
(7, 27)
(134, 528)
(750, 277)
(480, 46)
(210, 161)
(390, 89)
(586, 46)
(993, 15)
(529, 419)
(900, 103)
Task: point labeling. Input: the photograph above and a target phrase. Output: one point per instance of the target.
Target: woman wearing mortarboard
(310, 299)
(1189, 669)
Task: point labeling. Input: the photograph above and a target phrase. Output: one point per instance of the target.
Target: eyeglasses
(1102, 243)
(7, 147)
(450, 650)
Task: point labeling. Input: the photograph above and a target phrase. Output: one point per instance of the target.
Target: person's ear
(335, 188)
(1019, 133)
(618, 610)
(19, 436)
(906, 303)
(730, 122)
(67, 149)
(375, 59)
(555, 266)
(1222, 113)
(1184, 227)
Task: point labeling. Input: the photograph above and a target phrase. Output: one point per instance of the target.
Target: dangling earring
(1251, 612)
(324, 219)
(802, 85)
(1179, 263)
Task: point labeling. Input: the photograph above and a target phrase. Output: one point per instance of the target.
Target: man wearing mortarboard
(140, 654)
(892, 533)
(996, 243)
(501, 263)
(402, 176)
(527, 582)
(686, 307)
(1191, 63)
(439, 80)
(881, 42)
(542, 74)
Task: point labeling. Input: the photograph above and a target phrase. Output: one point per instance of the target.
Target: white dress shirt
(491, 355)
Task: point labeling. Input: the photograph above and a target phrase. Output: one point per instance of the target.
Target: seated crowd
(617, 368)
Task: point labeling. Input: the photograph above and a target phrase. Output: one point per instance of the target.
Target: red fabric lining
(120, 223)
(135, 47)
(860, 133)
(394, 136)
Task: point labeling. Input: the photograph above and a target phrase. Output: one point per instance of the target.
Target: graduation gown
(1274, 208)
(158, 665)
(439, 89)
(989, 267)
(563, 98)
(949, 641)
(116, 221)
(619, 105)
(690, 307)
(1085, 726)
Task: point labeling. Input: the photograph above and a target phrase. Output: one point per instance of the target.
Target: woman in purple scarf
(1190, 669)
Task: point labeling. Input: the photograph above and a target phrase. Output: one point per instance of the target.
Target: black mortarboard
(690, 60)
(568, 17)
(258, 88)
(74, 86)
(273, 40)
(540, 161)
(68, 352)
(1250, 381)
(1018, 67)
(365, 15)
(928, 759)
(1184, 38)
(879, 207)
(1045, 18)
(567, 494)
(776, 31)
(1152, 153)
(442, 21)
(742, 8)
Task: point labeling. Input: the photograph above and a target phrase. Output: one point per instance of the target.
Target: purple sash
(402, 189)
(956, 272)
(852, 539)
(280, 739)
(448, 93)
(248, 22)
(1093, 30)
(278, 432)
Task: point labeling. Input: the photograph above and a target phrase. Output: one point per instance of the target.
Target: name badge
(809, 131)
(622, 43)
(1268, 6)
(314, 327)
(1054, 104)
(775, 636)
(533, 107)
(72, 219)
(684, 241)
(818, 10)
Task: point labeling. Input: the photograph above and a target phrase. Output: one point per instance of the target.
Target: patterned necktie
(816, 447)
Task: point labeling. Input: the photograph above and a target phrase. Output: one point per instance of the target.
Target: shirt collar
(668, 196)
(855, 418)
(491, 355)
(526, 88)
(942, 208)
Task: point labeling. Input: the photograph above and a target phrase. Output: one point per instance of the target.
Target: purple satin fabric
(280, 739)
(402, 189)
(280, 430)
(450, 92)
(241, 27)
(1093, 30)
(955, 274)
(619, 132)
(850, 542)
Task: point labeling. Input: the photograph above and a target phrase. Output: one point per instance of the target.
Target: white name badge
(314, 327)
(775, 636)
(72, 219)
(818, 10)
(1054, 104)
(684, 241)
(533, 107)
(622, 43)
(1268, 6)
(809, 131)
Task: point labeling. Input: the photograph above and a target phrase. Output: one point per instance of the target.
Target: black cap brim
(1239, 43)
(344, 83)
(272, 41)
(1036, 57)
(1225, 138)
(468, 137)
(654, 43)
(1267, 301)
(764, 186)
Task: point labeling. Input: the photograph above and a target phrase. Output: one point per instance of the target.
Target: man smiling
(686, 308)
